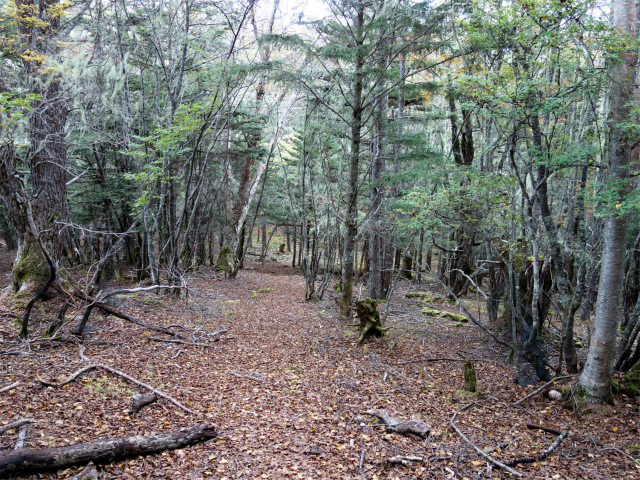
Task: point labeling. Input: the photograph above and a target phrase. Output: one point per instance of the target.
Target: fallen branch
(17, 424)
(532, 426)
(22, 436)
(256, 377)
(117, 313)
(543, 455)
(10, 387)
(119, 291)
(538, 390)
(476, 448)
(105, 450)
(414, 427)
(75, 375)
(404, 460)
(170, 340)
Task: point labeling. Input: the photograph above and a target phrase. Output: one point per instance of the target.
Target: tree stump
(281, 250)
(370, 323)
(469, 376)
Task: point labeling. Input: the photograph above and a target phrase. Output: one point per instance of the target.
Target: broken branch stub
(370, 323)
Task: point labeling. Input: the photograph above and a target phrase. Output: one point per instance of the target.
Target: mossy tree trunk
(469, 371)
(370, 322)
(46, 158)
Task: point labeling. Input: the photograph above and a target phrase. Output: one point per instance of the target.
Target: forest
(320, 239)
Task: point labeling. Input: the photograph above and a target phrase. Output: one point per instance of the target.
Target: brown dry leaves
(289, 388)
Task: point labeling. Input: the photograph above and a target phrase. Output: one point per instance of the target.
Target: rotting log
(106, 450)
(404, 427)
(370, 323)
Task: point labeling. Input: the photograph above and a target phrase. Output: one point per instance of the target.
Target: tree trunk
(39, 459)
(596, 376)
(351, 217)
(47, 153)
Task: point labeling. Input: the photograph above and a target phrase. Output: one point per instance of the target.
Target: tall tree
(42, 192)
(596, 376)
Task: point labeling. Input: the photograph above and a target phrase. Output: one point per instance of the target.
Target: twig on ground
(10, 387)
(476, 448)
(538, 390)
(543, 455)
(16, 424)
(176, 355)
(256, 377)
(182, 342)
(361, 467)
(404, 460)
(75, 375)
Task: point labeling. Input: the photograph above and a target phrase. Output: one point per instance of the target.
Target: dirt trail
(286, 386)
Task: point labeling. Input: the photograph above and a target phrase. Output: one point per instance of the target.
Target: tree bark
(39, 459)
(351, 217)
(596, 376)
(46, 158)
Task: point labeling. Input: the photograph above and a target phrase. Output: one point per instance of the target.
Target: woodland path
(286, 386)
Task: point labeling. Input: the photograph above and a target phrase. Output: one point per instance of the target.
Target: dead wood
(17, 424)
(532, 426)
(256, 377)
(105, 450)
(543, 455)
(75, 375)
(141, 400)
(170, 340)
(404, 460)
(370, 323)
(404, 427)
(10, 387)
(22, 436)
(87, 473)
(117, 313)
(476, 448)
(538, 390)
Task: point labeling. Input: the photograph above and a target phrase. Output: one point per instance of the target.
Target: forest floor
(288, 386)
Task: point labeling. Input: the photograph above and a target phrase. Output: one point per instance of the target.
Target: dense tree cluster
(485, 144)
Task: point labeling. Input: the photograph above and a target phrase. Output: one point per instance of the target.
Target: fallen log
(105, 450)
(414, 427)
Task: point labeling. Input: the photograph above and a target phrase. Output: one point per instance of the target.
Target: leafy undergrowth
(287, 386)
